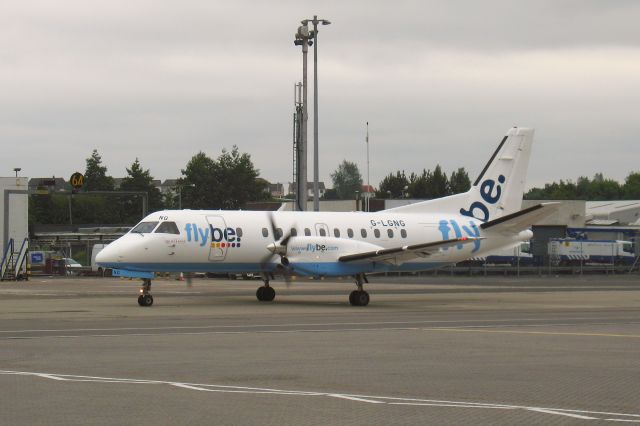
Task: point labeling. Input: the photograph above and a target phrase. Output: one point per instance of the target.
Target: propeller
(278, 248)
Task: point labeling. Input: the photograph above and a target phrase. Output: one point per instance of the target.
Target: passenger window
(279, 233)
(144, 227)
(265, 232)
(323, 233)
(350, 232)
(403, 233)
(336, 232)
(376, 232)
(168, 228)
(363, 232)
(390, 233)
(294, 232)
(239, 232)
(307, 232)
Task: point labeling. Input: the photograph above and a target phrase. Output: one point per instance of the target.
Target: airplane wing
(520, 220)
(398, 255)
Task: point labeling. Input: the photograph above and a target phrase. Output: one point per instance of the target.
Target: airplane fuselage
(237, 241)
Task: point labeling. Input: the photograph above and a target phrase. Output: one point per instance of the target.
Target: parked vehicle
(517, 254)
(71, 266)
(573, 252)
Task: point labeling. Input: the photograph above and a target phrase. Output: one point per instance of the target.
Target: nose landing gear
(145, 298)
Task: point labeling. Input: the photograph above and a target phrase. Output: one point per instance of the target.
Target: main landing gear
(145, 298)
(359, 297)
(266, 293)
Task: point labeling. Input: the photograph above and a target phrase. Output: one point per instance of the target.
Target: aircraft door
(218, 247)
(322, 230)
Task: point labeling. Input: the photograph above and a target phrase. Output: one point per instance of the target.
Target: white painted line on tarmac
(511, 329)
(368, 399)
(353, 398)
(196, 327)
(561, 413)
(433, 404)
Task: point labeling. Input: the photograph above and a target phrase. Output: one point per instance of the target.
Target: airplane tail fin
(498, 189)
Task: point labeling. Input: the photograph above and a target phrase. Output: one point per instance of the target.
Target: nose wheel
(359, 297)
(145, 298)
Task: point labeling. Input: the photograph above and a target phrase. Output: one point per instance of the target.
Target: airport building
(14, 226)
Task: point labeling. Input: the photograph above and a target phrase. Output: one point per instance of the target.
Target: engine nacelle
(318, 256)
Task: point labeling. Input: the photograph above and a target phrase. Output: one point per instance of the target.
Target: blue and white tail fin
(498, 189)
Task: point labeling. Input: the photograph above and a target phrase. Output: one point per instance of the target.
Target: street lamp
(302, 38)
(190, 185)
(17, 169)
(315, 21)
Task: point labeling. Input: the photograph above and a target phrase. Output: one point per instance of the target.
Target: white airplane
(415, 237)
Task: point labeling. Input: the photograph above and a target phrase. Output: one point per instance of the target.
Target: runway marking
(196, 327)
(550, 333)
(353, 398)
(461, 329)
(367, 399)
(577, 416)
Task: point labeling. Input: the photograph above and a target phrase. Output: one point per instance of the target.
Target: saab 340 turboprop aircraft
(414, 237)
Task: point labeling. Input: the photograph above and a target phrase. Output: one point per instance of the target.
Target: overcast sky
(438, 81)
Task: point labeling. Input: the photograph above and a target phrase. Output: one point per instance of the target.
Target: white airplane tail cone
(498, 189)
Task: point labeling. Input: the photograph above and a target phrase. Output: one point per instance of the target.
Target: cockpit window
(144, 227)
(168, 228)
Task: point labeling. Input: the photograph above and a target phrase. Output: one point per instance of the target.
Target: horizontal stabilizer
(398, 255)
(520, 220)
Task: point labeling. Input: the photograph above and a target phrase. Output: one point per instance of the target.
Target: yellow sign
(76, 180)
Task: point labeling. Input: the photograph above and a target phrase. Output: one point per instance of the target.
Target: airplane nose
(106, 256)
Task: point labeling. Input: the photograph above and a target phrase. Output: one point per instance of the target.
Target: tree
(393, 186)
(597, 189)
(419, 185)
(197, 185)
(459, 181)
(95, 175)
(437, 184)
(226, 183)
(346, 180)
(138, 179)
(631, 187)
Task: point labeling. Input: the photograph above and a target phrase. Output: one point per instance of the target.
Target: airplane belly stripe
(302, 269)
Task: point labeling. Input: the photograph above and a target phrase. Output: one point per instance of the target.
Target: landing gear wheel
(359, 298)
(265, 294)
(147, 300)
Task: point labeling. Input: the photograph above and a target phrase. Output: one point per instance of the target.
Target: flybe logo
(490, 193)
(446, 226)
(222, 238)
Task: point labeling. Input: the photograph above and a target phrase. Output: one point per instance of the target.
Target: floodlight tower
(302, 38)
(315, 21)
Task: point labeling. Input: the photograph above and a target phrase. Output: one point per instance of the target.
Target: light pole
(191, 185)
(368, 183)
(302, 39)
(315, 21)
(17, 169)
